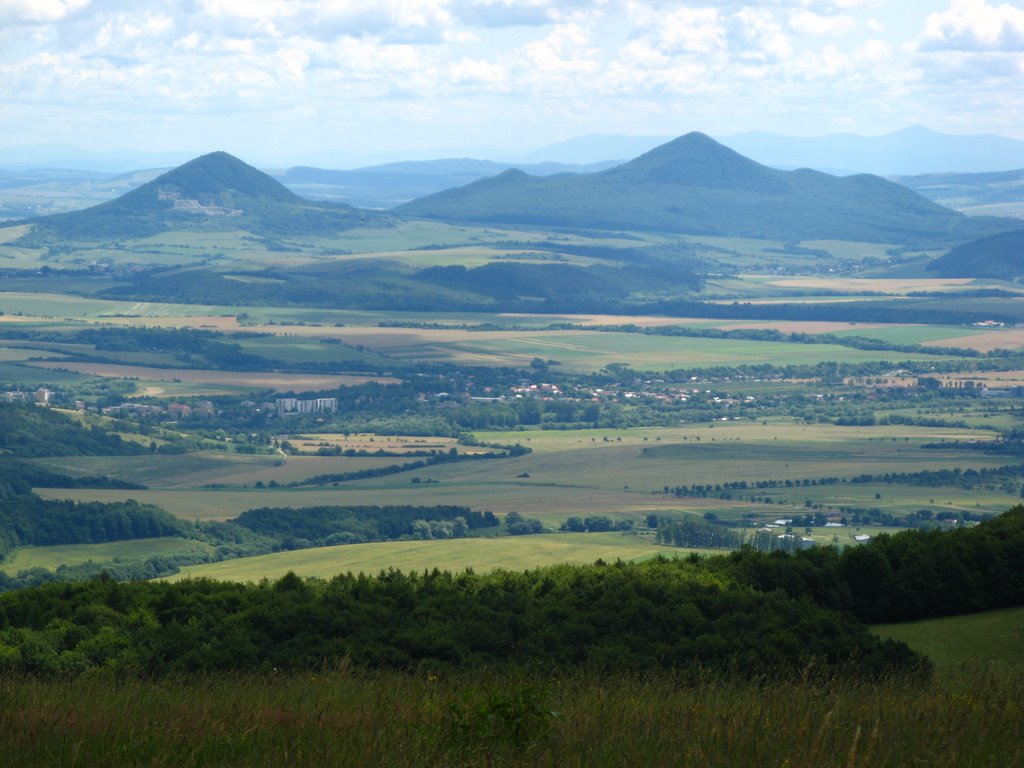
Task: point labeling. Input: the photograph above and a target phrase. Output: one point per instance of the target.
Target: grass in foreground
(350, 718)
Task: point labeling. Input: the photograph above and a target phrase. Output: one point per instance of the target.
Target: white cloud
(974, 25)
(476, 72)
(564, 51)
(363, 69)
(30, 11)
(810, 23)
(756, 36)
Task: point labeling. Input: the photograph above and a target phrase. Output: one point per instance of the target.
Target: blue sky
(281, 81)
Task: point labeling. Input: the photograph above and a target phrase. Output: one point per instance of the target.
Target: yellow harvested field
(801, 326)
(7, 234)
(280, 382)
(992, 379)
(373, 442)
(1006, 338)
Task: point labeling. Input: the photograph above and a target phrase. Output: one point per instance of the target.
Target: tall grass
(968, 716)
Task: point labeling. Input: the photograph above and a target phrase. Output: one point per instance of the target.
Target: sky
(283, 81)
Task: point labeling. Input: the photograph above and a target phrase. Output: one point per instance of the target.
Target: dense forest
(30, 432)
(749, 612)
(324, 526)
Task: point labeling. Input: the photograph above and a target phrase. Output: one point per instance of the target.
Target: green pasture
(17, 374)
(306, 350)
(992, 636)
(593, 350)
(64, 306)
(894, 499)
(11, 354)
(76, 554)
(49, 311)
(485, 554)
(980, 414)
(201, 468)
(915, 334)
(568, 473)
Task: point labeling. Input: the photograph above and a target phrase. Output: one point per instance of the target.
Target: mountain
(998, 256)
(385, 186)
(215, 191)
(695, 185)
(911, 151)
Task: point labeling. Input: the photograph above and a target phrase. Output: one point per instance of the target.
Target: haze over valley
(390, 384)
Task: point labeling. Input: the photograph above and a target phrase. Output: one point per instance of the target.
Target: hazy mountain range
(691, 185)
(911, 151)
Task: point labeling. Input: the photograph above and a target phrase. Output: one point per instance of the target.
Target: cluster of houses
(615, 394)
(39, 397)
(291, 406)
(204, 409)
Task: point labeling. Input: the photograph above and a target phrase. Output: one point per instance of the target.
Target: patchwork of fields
(625, 474)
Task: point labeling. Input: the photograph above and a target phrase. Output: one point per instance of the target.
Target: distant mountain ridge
(695, 185)
(388, 185)
(215, 190)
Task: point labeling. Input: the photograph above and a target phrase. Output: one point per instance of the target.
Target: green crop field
(993, 636)
(75, 554)
(568, 473)
(591, 351)
(484, 554)
(200, 468)
(916, 334)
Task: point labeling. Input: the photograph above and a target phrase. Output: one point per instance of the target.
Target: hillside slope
(695, 185)
(998, 256)
(215, 191)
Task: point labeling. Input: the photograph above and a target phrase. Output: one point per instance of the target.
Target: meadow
(111, 551)
(969, 716)
(516, 553)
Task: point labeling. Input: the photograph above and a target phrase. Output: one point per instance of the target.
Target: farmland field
(591, 351)
(201, 468)
(75, 554)
(253, 381)
(576, 472)
(510, 553)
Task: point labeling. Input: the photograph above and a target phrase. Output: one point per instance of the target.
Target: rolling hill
(695, 185)
(998, 256)
(215, 191)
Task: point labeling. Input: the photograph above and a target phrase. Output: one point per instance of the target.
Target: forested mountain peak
(217, 178)
(696, 159)
(694, 185)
